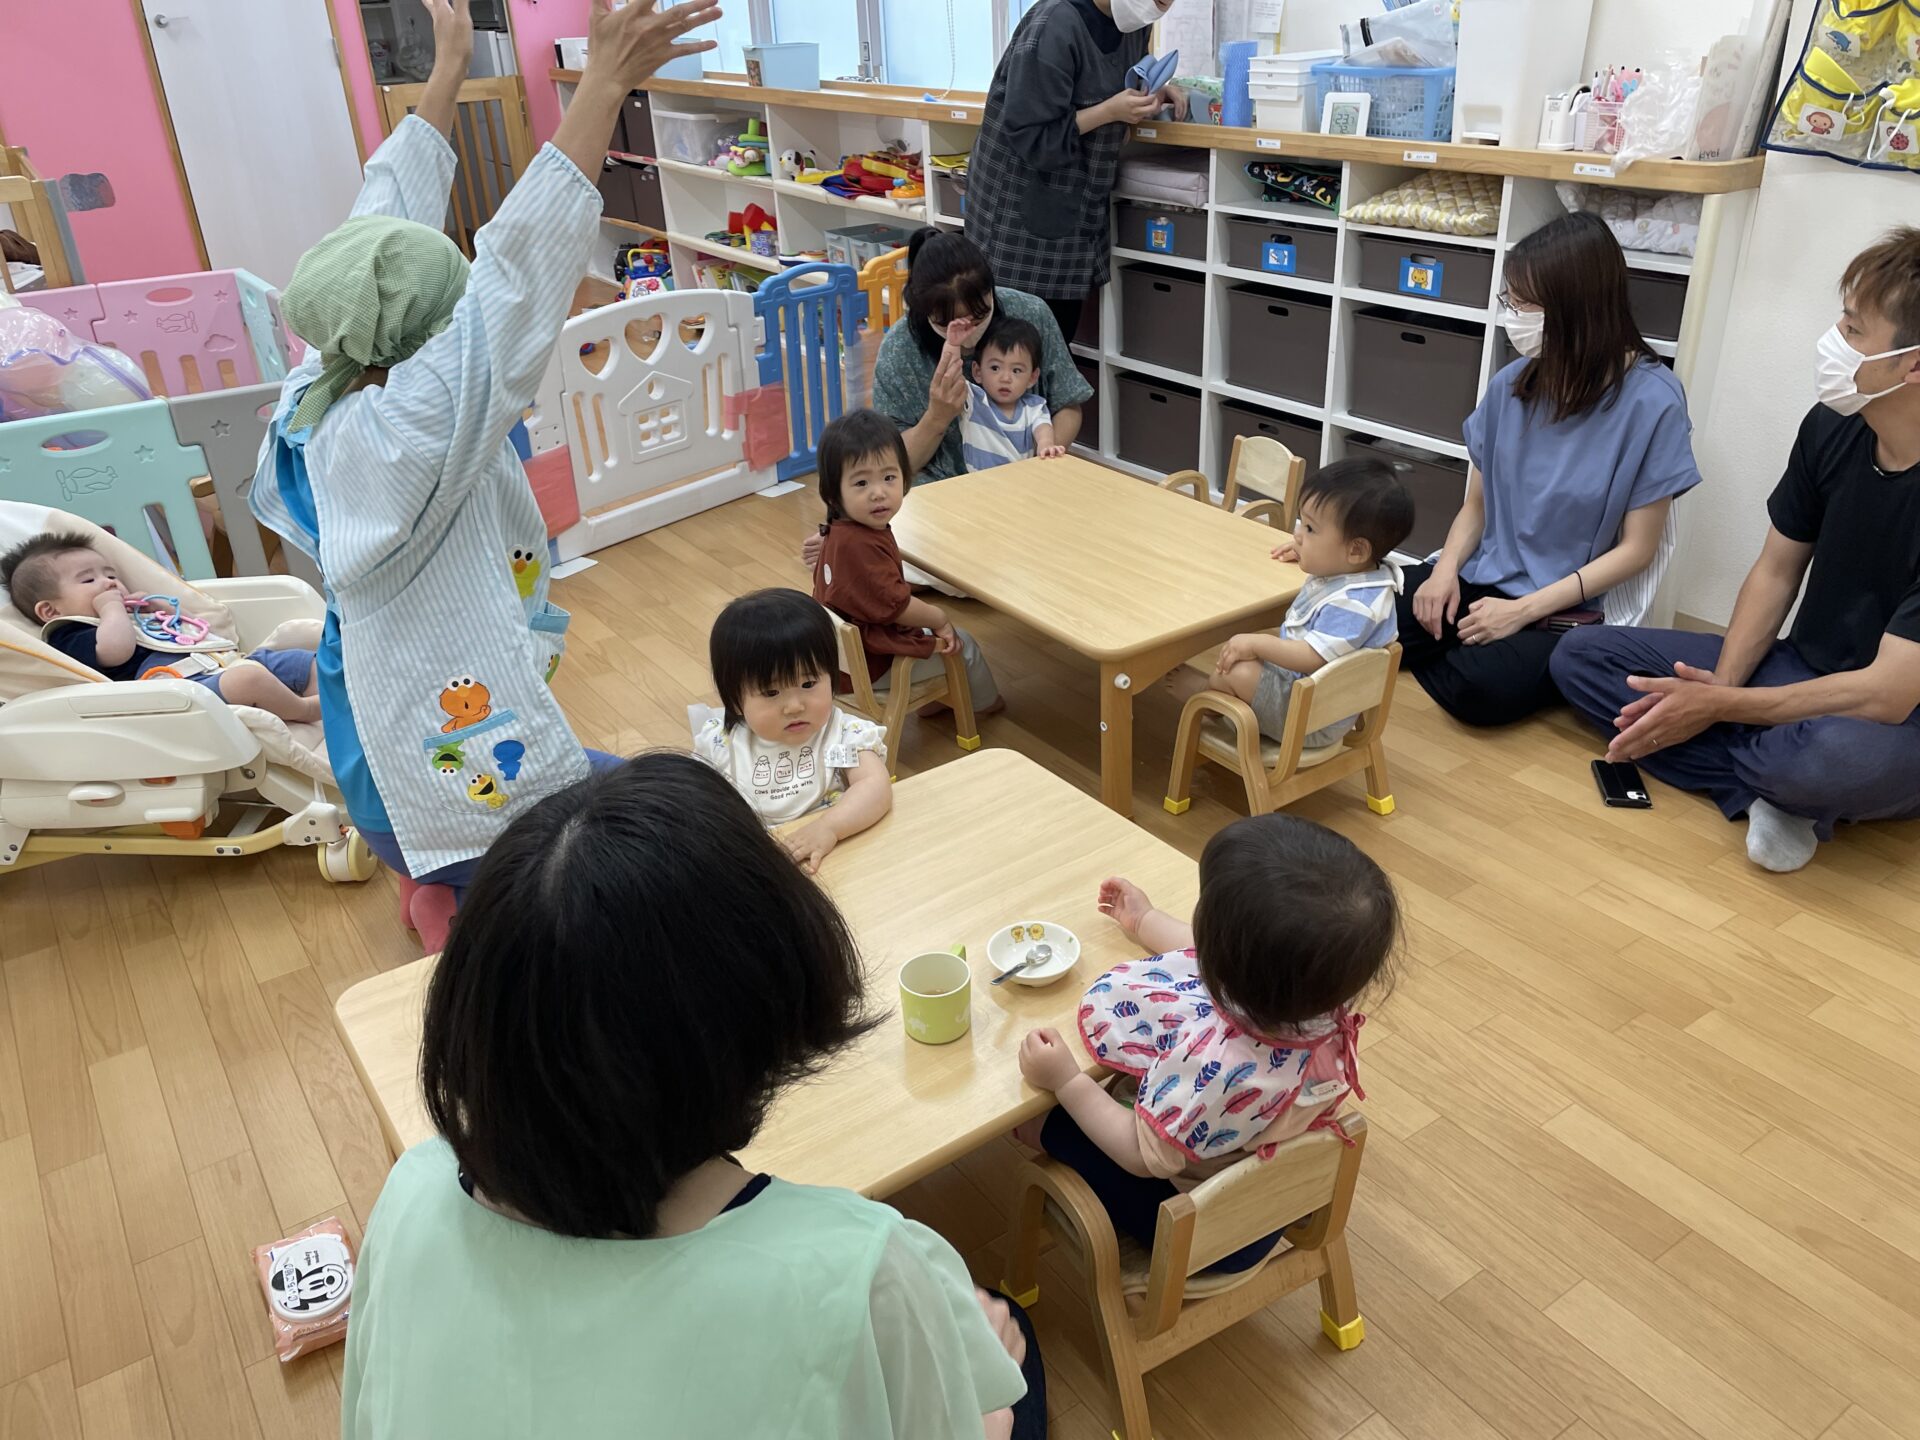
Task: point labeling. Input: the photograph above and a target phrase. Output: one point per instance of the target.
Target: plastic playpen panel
(649, 426)
(811, 315)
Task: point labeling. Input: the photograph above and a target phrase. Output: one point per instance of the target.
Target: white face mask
(1129, 15)
(1526, 329)
(1835, 366)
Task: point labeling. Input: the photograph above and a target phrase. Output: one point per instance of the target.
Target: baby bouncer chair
(90, 766)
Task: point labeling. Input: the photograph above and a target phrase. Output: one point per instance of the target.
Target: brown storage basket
(1159, 423)
(1161, 313)
(1426, 269)
(1160, 229)
(1312, 247)
(1277, 342)
(1419, 372)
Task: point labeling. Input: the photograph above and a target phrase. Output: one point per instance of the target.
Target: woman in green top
(921, 384)
(638, 970)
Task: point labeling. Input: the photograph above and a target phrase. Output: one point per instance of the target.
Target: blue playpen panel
(809, 314)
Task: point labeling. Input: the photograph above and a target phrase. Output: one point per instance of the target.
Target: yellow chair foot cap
(1025, 1301)
(1380, 805)
(1344, 1337)
(967, 742)
(1176, 807)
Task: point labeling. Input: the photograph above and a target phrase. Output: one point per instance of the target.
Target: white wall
(1811, 218)
(1635, 32)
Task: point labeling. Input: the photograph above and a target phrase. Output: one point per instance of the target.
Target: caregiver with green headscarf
(388, 462)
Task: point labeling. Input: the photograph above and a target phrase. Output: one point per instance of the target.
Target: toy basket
(1408, 103)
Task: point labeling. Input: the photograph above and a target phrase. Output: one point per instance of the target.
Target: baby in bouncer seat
(75, 592)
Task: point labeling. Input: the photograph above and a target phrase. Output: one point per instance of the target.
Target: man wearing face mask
(1041, 178)
(1822, 727)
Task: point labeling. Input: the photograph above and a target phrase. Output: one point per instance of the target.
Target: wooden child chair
(1150, 1307)
(1261, 464)
(889, 708)
(1278, 772)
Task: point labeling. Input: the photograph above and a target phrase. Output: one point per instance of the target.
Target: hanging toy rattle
(158, 618)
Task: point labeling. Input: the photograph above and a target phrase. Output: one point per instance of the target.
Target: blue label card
(1421, 277)
(1160, 235)
(1278, 259)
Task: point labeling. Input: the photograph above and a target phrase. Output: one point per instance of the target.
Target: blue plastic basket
(1408, 103)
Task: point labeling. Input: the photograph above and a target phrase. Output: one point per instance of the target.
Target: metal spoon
(1038, 955)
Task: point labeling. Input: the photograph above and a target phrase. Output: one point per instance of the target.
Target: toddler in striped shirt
(1352, 514)
(1006, 418)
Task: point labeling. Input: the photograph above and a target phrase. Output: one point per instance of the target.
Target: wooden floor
(1644, 1157)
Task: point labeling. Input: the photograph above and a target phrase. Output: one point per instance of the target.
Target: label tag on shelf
(1160, 236)
(959, 114)
(1277, 258)
(1603, 172)
(1419, 157)
(1421, 275)
(1266, 142)
(1146, 132)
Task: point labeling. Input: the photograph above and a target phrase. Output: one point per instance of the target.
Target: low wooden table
(1133, 577)
(983, 842)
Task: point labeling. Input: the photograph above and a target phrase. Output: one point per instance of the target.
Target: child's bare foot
(1027, 1132)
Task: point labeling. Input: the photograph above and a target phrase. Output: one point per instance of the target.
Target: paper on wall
(1264, 16)
(1188, 28)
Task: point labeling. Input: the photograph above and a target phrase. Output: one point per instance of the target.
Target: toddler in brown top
(864, 478)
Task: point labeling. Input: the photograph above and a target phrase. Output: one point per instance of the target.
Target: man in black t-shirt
(1802, 733)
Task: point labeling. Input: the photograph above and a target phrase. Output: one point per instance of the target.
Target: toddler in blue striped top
(1007, 418)
(1353, 513)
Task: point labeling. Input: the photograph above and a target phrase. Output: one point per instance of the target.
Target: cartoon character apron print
(446, 644)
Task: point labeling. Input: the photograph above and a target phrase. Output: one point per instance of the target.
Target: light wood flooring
(1645, 1149)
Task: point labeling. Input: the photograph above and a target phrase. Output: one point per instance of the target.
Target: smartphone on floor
(1620, 785)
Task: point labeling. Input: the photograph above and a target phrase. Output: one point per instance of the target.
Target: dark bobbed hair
(1572, 269)
(1293, 922)
(26, 571)
(1009, 333)
(604, 1019)
(1365, 498)
(948, 278)
(768, 639)
(847, 441)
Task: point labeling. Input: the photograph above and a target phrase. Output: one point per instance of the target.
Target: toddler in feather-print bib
(1239, 1030)
(1206, 1086)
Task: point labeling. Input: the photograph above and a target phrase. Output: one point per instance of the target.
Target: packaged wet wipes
(307, 1280)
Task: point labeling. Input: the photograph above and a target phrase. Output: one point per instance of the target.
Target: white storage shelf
(697, 199)
(1526, 204)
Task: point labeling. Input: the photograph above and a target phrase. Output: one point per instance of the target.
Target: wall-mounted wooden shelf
(1692, 177)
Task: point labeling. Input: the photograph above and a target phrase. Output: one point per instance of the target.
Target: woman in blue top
(1579, 449)
(388, 461)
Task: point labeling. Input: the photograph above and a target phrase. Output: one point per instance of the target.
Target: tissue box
(571, 53)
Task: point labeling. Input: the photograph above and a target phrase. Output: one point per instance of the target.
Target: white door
(261, 114)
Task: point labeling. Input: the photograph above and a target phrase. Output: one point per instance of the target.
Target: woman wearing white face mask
(1802, 734)
(1043, 168)
(1579, 449)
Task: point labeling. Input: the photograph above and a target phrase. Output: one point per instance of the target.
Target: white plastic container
(1299, 114)
(1513, 54)
(692, 137)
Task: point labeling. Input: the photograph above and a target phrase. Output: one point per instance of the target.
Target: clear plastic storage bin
(691, 137)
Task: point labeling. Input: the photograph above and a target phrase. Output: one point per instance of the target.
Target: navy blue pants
(1030, 1411)
(1132, 1201)
(458, 875)
(1829, 769)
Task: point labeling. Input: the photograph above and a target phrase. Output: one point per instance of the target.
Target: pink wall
(76, 92)
(360, 87)
(536, 25)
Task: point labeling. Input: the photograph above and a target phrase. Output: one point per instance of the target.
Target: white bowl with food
(1038, 952)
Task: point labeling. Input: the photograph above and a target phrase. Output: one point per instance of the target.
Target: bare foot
(1027, 1132)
